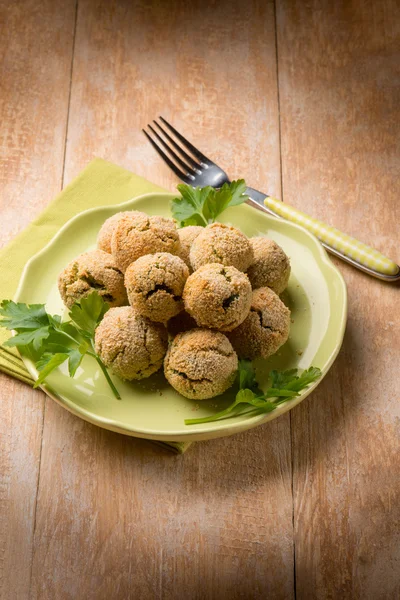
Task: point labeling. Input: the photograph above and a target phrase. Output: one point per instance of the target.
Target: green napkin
(100, 184)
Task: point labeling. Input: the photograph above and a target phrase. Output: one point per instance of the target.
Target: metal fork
(196, 169)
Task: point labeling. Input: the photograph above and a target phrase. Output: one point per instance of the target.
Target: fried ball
(155, 283)
(271, 266)
(219, 243)
(130, 345)
(187, 235)
(217, 297)
(265, 329)
(200, 364)
(94, 270)
(136, 236)
(180, 323)
(107, 229)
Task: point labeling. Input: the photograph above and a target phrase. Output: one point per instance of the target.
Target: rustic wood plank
(116, 517)
(120, 518)
(35, 59)
(216, 81)
(339, 99)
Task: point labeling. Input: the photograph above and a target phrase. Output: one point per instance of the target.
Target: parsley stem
(266, 408)
(215, 417)
(66, 335)
(106, 375)
(203, 219)
(99, 361)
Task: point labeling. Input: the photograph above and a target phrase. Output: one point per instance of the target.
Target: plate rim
(224, 428)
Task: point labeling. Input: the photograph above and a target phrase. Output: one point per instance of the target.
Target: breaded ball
(107, 229)
(136, 236)
(187, 235)
(130, 345)
(180, 323)
(155, 283)
(94, 270)
(219, 243)
(265, 329)
(218, 297)
(271, 266)
(200, 364)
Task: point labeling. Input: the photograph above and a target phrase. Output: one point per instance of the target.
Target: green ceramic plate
(151, 409)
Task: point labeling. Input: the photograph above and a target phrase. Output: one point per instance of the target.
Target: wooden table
(302, 98)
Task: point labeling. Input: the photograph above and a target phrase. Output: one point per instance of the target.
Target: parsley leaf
(191, 203)
(47, 363)
(280, 379)
(289, 380)
(21, 316)
(285, 385)
(201, 206)
(238, 192)
(49, 342)
(247, 376)
(74, 360)
(32, 336)
(88, 313)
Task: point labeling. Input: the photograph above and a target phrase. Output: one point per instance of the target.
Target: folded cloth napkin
(100, 184)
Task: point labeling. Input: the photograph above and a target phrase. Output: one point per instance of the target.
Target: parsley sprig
(51, 342)
(201, 206)
(284, 385)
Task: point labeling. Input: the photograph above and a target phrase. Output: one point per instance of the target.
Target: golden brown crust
(223, 244)
(271, 266)
(155, 283)
(94, 270)
(265, 329)
(200, 364)
(135, 237)
(187, 235)
(107, 229)
(218, 297)
(130, 345)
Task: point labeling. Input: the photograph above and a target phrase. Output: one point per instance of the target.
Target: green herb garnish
(49, 342)
(201, 206)
(284, 386)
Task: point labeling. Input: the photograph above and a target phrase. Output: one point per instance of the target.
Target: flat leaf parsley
(201, 206)
(284, 386)
(50, 342)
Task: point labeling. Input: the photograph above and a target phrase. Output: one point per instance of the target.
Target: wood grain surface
(339, 75)
(302, 99)
(35, 55)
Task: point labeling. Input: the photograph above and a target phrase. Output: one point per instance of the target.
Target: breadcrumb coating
(218, 297)
(130, 345)
(134, 237)
(271, 266)
(219, 243)
(201, 364)
(107, 229)
(94, 270)
(187, 235)
(155, 283)
(265, 329)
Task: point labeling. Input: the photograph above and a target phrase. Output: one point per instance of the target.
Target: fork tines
(177, 156)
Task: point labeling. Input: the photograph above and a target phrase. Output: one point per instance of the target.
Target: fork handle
(340, 244)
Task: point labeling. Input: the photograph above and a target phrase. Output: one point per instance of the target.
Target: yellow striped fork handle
(342, 245)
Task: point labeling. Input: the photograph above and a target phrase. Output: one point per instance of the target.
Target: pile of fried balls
(194, 299)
